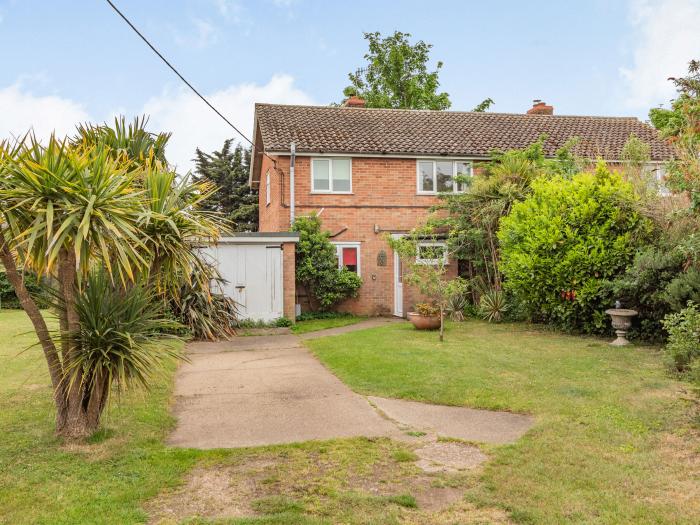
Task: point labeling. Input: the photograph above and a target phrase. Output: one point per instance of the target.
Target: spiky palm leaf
(207, 314)
(493, 305)
(130, 142)
(121, 337)
(175, 226)
(57, 197)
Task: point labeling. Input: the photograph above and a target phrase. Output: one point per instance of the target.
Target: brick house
(377, 172)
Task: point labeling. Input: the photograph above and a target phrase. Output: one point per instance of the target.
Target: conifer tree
(228, 169)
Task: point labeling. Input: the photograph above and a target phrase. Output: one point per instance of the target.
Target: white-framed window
(431, 253)
(438, 176)
(658, 176)
(268, 197)
(348, 255)
(331, 175)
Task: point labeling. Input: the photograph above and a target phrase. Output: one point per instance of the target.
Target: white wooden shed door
(254, 278)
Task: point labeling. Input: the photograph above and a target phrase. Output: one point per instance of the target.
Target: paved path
(262, 390)
(469, 424)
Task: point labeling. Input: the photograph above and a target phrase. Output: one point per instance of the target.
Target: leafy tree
(317, 265)
(397, 76)
(565, 240)
(681, 126)
(228, 170)
(483, 106)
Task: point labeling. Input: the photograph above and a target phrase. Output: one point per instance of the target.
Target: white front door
(253, 274)
(398, 286)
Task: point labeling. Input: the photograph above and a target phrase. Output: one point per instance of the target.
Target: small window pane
(341, 175)
(350, 258)
(464, 169)
(321, 175)
(431, 253)
(444, 175)
(425, 176)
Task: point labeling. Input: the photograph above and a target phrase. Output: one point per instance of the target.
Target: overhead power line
(160, 55)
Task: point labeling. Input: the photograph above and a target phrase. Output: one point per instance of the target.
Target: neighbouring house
(377, 172)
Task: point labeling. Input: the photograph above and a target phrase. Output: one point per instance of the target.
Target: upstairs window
(268, 198)
(438, 176)
(331, 176)
(348, 255)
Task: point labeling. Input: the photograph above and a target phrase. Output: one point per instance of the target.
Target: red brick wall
(270, 213)
(384, 195)
(288, 280)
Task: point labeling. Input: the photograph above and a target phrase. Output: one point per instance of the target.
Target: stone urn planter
(621, 322)
(424, 322)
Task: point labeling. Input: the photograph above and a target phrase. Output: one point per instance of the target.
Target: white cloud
(193, 124)
(204, 34)
(230, 9)
(21, 110)
(667, 37)
(180, 111)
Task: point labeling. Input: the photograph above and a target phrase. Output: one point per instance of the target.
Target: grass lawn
(126, 474)
(313, 325)
(45, 481)
(616, 439)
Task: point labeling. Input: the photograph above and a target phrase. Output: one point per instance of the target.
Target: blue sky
(71, 60)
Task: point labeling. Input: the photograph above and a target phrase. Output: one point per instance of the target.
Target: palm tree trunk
(32, 310)
(96, 403)
(76, 423)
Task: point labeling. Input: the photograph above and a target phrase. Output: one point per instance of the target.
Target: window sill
(431, 262)
(331, 193)
(436, 193)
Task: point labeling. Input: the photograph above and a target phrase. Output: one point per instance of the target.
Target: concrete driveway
(266, 390)
(262, 390)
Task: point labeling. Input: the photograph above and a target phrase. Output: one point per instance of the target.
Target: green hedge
(562, 245)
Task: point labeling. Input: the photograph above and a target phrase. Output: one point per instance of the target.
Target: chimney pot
(354, 102)
(540, 108)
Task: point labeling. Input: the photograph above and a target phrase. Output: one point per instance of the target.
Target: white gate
(252, 267)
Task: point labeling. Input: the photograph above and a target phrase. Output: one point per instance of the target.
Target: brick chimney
(540, 108)
(354, 101)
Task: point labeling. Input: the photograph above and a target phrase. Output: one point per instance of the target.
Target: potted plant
(425, 254)
(426, 317)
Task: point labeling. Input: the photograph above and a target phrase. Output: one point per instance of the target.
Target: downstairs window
(348, 255)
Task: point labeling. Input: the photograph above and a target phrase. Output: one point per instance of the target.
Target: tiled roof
(324, 129)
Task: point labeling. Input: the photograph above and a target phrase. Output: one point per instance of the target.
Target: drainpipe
(292, 149)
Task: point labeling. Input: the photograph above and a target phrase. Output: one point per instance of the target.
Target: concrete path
(362, 325)
(263, 390)
(469, 424)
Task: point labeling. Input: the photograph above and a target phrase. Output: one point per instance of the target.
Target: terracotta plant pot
(424, 322)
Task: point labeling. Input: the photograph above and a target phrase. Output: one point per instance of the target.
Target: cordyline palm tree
(66, 210)
(82, 215)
